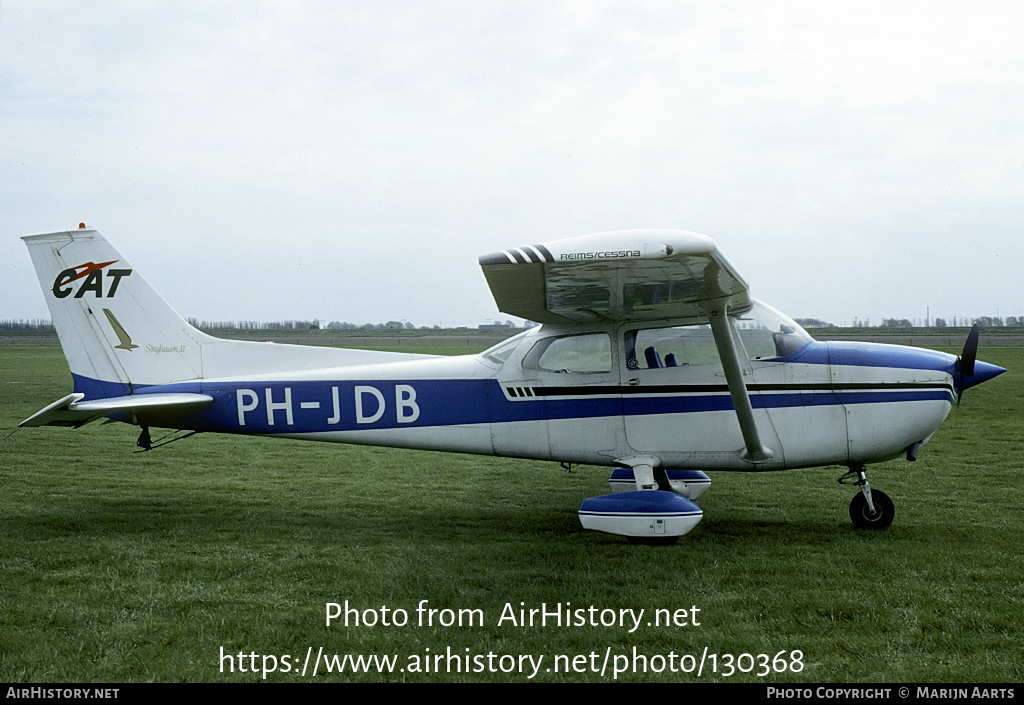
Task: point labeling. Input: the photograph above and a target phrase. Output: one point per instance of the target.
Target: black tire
(864, 519)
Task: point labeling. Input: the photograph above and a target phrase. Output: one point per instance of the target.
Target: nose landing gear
(870, 509)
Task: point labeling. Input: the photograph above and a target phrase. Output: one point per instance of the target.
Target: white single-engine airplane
(652, 359)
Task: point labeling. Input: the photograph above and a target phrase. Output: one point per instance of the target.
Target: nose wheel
(865, 518)
(870, 509)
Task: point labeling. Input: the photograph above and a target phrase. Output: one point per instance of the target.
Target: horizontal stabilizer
(72, 411)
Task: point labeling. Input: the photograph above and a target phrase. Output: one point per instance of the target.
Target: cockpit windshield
(768, 333)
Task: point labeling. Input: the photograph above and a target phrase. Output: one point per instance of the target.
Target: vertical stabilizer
(117, 332)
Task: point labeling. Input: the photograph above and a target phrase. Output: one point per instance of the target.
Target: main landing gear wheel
(864, 518)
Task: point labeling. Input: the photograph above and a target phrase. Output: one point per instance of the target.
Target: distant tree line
(997, 322)
(254, 325)
(33, 324)
(390, 325)
(963, 322)
(316, 325)
(295, 325)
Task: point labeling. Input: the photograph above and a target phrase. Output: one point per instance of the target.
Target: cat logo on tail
(93, 274)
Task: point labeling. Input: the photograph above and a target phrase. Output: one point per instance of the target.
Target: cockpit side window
(657, 348)
(589, 352)
(766, 334)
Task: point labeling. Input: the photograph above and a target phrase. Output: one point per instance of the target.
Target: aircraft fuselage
(826, 403)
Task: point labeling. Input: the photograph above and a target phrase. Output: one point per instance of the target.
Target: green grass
(139, 567)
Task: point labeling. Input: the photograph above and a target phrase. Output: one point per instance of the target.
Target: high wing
(628, 275)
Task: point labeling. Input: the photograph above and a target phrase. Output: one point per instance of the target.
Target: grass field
(124, 567)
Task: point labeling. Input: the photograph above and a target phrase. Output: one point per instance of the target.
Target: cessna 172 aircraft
(652, 359)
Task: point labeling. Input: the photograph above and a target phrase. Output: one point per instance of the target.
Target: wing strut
(729, 352)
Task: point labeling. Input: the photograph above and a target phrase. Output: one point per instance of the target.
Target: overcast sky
(350, 161)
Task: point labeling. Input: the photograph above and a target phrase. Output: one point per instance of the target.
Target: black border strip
(610, 389)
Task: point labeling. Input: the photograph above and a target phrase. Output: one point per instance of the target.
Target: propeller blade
(970, 353)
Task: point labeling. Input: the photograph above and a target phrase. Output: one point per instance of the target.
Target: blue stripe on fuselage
(99, 389)
(318, 406)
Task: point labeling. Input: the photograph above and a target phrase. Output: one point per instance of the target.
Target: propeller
(965, 363)
(970, 354)
(967, 370)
